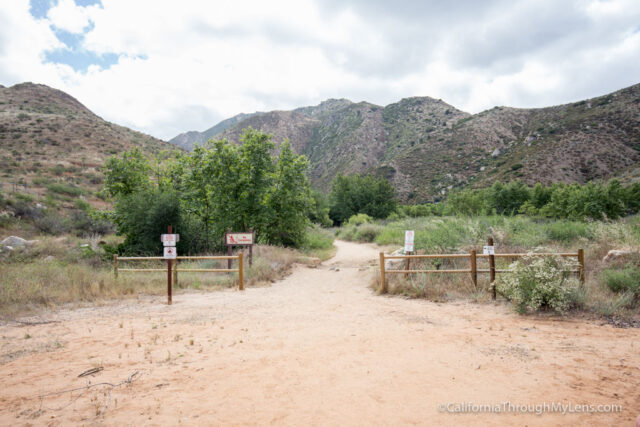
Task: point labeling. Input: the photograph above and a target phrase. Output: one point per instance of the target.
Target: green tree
(290, 200)
(143, 216)
(319, 210)
(197, 190)
(256, 180)
(354, 194)
(127, 174)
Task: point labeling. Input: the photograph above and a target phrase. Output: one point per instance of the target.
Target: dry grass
(28, 282)
(595, 296)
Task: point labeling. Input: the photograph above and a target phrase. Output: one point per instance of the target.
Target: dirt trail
(316, 348)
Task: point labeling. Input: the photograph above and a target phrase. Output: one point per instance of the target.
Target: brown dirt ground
(316, 348)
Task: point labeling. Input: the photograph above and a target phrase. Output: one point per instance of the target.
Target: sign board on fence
(408, 241)
(170, 252)
(488, 250)
(237, 239)
(170, 239)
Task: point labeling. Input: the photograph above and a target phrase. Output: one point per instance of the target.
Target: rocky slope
(188, 139)
(427, 148)
(47, 137)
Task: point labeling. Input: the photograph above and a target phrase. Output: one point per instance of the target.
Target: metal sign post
(170, 253)
(490, 250)
(408, 240)
(408, 249)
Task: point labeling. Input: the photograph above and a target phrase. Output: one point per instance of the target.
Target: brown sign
(239, 239)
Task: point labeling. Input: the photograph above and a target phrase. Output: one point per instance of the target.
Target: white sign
(170, 252)
(488, 250)
(239, 239)
(170, 239)
(408, 240)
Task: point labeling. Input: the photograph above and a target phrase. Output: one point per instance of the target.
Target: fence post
(175, 273)
(229, 249)
(240, 272)
(169, 276)
(115, 266)
(492, 270)
(407, 264)
(581, 268)
(383, 283)
(474, 268)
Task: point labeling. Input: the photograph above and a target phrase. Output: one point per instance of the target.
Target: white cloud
(22, 42)
(66, 15)
(185, 66)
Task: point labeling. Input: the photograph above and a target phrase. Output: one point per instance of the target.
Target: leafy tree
(197, 194)
(143, 216)
(540, 195)
(467, 202)
(256, 180)
(290, 200)
(354, 194)
(319, 210)
(506, 199)
(126, 175)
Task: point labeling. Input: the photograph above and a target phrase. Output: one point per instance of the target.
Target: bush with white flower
(540, 282)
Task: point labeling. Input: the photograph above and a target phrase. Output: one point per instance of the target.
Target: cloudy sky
(166, 67)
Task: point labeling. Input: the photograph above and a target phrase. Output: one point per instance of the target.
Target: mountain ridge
(48, 139)
(428, 148)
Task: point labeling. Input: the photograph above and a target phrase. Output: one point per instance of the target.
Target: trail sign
(408, 240)
(239, 239)
(170, 252)
(169, 239)
(488, 250)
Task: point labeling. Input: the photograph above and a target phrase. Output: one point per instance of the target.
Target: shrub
(67, 189)
(52, 224)
(85, 224)
(624, 280)
(367, 233)
(24, 209)
(536, 283)
(359, 219)
(566, 231)
(318, 242)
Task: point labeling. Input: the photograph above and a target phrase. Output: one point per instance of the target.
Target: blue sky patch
(81, 60)
(39, 8)
(74, 54)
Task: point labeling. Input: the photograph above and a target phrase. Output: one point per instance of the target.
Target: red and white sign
(170, 252)
(239, 239)
(170, 239)
(408, 240)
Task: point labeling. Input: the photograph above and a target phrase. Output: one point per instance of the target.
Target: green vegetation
(626, 280)
(593, 201)
(66, 189)
(609, 288)
(354, 194)
(214, 188)
(536, 283)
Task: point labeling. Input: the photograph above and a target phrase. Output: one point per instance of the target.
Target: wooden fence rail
(473, 269)
(176, 270)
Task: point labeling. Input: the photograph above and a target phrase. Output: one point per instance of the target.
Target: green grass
(318, 242)
(512, 234)
(623, 280)
(65, 189)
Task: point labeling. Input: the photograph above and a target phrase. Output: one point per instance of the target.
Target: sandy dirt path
(317, 348)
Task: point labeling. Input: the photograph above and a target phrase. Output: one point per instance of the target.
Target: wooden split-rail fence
(473, 269)
(240, 267)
